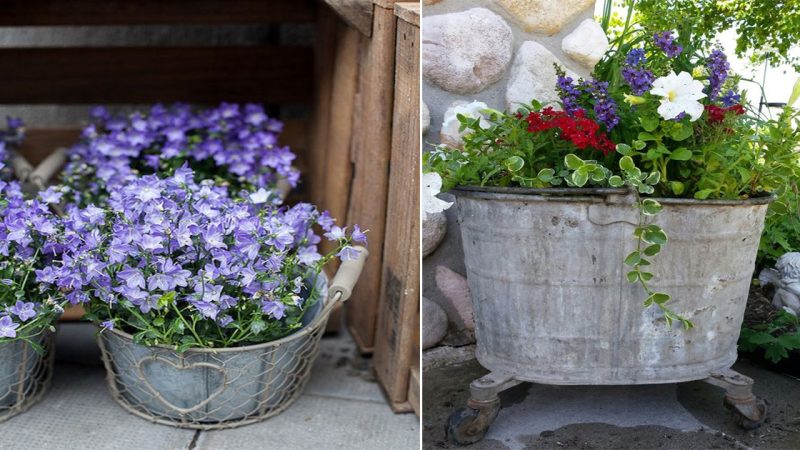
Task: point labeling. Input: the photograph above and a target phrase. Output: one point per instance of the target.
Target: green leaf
(677, 187)
(761, 338)
(703, 194)
(624, 149)
(659, 298)
(649, 123)
(646, 276)
(626, 164)
(158, 321)
(644, 136)
(652, 236)
(166, 300)
(681, 132)
(633, 276)
(514, 163)
(652, 250)
(633, 258)
(790, 341)
(580, 177)
(653, 178)
(546, 175)
(638, 145)
(257, 326)
(681, 154)
(615, 181)
(573, 162)
(775, 353)
(651, 207)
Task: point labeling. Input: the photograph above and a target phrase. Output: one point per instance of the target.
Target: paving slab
(668, 416)
(342, 407)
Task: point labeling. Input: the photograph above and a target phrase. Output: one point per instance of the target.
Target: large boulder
(434, 323)
(545, 16)
(586, 44)
(466, 51)
(533, 76)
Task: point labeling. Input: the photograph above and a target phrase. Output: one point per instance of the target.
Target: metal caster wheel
(748, 416)
(465, 426)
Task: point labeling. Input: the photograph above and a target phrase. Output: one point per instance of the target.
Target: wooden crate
(397, 343)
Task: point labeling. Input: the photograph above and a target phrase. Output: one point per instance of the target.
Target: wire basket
(24, 373)
(219, 388)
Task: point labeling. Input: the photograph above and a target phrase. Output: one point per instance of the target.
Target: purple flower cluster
(666, 42)
(718, 66)
(29, 240)
(635, 74)
(605, 108)
(237, 144)
(568, 92)
(175, 251)
(730, 98)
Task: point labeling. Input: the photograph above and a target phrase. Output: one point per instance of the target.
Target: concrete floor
(668, 416)
(342, 407)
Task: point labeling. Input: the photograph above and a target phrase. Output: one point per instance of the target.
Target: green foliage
(766, 29)
(777, 338)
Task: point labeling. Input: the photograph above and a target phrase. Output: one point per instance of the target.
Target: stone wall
(501, 53)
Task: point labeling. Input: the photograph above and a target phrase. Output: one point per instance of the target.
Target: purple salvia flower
(666, 42)
(718, 67)
(635, 74)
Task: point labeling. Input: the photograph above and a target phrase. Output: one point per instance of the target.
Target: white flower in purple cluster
(238, 144)
(169, 246)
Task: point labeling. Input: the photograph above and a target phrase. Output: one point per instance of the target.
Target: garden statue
(786, 279)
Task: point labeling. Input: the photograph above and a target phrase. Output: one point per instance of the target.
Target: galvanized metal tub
(552, 303)
(212, 388)
(25, 373)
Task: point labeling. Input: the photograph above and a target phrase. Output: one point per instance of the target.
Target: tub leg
(468, 425)
(749, 410)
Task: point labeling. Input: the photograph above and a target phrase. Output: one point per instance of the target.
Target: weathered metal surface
(24, 373)
(552, 304)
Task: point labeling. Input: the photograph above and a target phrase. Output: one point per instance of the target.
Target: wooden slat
(357, 13)
(399, 303)
(371, 154)
(266, 74)
(153, 12)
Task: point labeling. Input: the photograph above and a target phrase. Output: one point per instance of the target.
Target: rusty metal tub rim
(597, 195)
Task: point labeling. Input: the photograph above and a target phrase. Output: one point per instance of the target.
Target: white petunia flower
(679, 95)
(450, 125)
(431, 186)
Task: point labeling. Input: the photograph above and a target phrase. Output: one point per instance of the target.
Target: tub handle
(47, 168)
(346, 277)
(614, 209)
(22, 168)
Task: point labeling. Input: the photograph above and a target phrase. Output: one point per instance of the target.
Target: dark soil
(759, 307)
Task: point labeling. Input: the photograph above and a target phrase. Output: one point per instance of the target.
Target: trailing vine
(650, 238)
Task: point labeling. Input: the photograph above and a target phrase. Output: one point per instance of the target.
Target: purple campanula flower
(8, 328)
(107, 324)
(50, 195)
(348, 253)
(23, 310)
(335, 233)
(358, 235)
(276, 310)
(224, 320)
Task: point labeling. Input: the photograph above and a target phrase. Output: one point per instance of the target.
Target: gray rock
(466, 51)
(455, 289)
(426, 117)
(586, 44)
(434, 323)
(545, 16)
(533, 76)
(434, 227)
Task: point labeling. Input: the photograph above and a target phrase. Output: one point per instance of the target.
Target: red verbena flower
(716, 114)
(578, 129)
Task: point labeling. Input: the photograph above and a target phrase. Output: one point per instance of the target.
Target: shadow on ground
(684, 416)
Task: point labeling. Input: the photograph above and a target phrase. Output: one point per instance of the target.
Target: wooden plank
(371, 153)
(400, 286)
(154, 12)
(408, 12)
(357, 13)
(266, 74)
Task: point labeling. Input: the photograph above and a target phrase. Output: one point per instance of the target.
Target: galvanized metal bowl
(24, 373)
(204, 388)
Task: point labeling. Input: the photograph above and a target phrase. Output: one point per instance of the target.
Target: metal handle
(47, 168)
(22, 168)
(347, 275)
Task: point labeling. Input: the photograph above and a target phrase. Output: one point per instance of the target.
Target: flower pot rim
(598, 195)
(288, 338)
